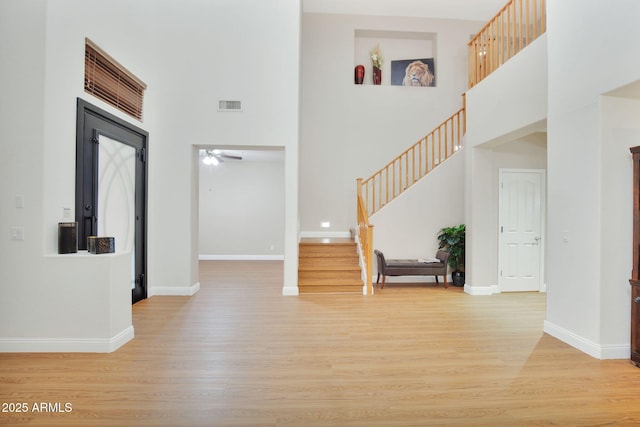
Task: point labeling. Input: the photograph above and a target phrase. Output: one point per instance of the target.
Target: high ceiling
(475, 10)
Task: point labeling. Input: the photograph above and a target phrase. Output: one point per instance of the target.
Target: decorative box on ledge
(101, 245)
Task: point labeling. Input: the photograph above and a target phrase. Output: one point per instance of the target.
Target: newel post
(369, 259)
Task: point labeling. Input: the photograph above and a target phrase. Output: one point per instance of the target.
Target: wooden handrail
(515, 26)
(413, 163)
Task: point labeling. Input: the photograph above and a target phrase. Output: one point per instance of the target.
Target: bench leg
(446, 284)
(378, 279)
(437, 279)
(384, 279)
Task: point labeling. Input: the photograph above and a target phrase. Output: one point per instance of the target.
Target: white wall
(242, 210)
(350, 131)
(216, 49)
(408, 227)
(46, 297)
(225, 50)
(589, 173)
(506, 118)
(521, 106)
(620, 130)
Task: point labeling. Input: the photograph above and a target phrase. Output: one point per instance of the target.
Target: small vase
(377, 75)
(359, 74)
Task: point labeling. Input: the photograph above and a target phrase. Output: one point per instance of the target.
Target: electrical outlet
(17, 233)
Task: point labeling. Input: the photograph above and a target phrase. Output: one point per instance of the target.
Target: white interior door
(521, 207)
(116, 195)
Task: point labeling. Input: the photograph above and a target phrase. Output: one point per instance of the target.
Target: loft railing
(517, 24)
(401, 173)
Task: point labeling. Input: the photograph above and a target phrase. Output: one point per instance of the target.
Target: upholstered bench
(412, 267)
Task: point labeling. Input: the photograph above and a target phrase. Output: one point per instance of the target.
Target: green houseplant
(451, 239)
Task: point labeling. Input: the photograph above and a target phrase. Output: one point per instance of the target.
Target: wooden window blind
(109, 81)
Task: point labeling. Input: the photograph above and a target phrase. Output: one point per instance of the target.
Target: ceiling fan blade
(228, 156)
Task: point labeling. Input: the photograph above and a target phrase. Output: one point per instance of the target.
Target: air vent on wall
(229, 106)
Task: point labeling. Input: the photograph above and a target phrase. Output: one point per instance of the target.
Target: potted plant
(451, 239)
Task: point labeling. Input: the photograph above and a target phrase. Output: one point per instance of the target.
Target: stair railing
(401, 173)
(517, 24)
(413, 164)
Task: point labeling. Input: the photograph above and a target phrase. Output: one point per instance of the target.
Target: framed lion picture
(413, 72)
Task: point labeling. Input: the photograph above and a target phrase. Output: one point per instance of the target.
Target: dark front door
(111, 186)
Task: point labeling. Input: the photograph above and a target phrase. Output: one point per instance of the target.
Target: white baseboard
(174, 290)
(325, 234)
(480, 290)
(290, 291)
(66, 345)
(241, 257)
(609, 351)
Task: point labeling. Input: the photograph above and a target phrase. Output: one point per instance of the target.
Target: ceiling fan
(214, 157)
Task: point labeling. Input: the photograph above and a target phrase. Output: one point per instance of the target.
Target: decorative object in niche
(67, 237)
(359, 74)
(376, 63)
(413, 72)
(101, 245)
(377, 76)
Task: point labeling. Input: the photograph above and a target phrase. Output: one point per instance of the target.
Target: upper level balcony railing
(517, 24)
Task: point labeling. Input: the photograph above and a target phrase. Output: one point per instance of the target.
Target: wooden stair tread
(352, 257)
(331, 290)
(329, 267)
(317, 283)
(324, 263)
(329, 274)
(327, 246)
(320, 282)
(327, 241)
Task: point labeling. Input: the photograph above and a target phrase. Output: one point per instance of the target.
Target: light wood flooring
(240, 354)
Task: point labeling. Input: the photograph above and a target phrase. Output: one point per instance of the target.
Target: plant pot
(457, 278)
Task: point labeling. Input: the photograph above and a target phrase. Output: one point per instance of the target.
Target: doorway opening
(241, 203)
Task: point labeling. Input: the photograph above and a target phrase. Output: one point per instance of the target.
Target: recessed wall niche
(394, 46)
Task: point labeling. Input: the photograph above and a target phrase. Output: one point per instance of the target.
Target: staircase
(329, 266)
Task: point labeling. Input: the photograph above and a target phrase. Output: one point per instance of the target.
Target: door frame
(543, 218)
(117, 129)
